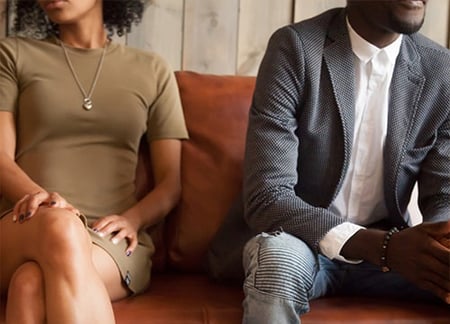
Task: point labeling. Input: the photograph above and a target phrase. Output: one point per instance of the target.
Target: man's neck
(376, 36)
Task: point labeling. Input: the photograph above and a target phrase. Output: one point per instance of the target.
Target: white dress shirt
(361, 199)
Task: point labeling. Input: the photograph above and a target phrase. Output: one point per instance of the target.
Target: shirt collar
(365, 51)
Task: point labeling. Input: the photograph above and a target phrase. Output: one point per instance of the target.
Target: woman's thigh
(109, 272)
(20, 242)
(30, 240)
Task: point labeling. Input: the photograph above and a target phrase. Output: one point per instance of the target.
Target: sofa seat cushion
(193, 298)
(184, 299)
(375, 310)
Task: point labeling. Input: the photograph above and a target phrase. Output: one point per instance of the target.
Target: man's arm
(270, 173)
(417, 253)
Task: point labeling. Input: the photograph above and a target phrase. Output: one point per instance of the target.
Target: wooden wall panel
(258, 19)
(210, 36)
(3, 18)
(230, 36)
(161, 30)
(436, 25)
(305, 9)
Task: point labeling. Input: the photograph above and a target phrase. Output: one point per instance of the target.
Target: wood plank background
(230, 36)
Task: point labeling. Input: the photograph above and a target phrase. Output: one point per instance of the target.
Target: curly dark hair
(31, 20)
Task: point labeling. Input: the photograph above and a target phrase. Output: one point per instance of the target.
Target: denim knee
(280, 265)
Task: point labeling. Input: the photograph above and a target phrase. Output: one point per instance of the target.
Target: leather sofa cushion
(216, 112)
(192, 298)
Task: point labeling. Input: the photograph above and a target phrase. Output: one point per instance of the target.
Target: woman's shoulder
(9, 43)
(19, 51)
(146, 58)
(14, 40)
(9, 48)
(140, 52)
(14, 43)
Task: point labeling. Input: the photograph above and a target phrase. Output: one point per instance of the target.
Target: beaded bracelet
(384, 246)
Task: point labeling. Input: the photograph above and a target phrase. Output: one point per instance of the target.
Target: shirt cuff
(332, 243)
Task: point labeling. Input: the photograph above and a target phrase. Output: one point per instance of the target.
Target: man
(351, 109)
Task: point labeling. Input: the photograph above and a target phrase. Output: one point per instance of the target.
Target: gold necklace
(87, 97)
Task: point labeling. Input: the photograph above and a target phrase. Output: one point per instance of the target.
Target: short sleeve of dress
(8, 74)
(165, 117)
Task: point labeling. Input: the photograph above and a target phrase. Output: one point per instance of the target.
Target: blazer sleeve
(434, 177)
(270, 167)
(427, 157)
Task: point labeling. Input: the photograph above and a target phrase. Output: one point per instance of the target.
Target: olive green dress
(89, 157)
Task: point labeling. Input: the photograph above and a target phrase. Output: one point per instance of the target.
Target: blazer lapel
(338, 57)
(406, 86)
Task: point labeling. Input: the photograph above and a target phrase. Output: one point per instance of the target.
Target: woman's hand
(26, 207)
(121, 227)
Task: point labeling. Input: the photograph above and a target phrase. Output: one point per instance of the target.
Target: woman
(73, 108)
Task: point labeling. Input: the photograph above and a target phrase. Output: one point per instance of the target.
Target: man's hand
(422, 255)
(445, 241)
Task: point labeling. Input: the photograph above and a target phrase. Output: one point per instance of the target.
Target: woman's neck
(83, 38)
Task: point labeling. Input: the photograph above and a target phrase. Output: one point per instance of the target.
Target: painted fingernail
(21, 218)
(52, 203)
(28, 214)
(95, 230)
(128, 253)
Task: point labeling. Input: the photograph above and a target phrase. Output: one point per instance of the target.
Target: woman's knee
(27, 282)
(280, 265)
(62, 235)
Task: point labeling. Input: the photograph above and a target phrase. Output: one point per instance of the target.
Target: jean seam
(303, 307)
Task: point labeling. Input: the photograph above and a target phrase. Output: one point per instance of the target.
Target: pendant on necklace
(87, 103)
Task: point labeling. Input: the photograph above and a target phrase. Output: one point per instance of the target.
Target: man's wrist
(384, 249)
(364, 245)
(332, 243)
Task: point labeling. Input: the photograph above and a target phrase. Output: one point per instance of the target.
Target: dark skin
(420, 253)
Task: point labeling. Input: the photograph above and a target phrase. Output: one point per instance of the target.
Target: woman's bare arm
(165, 160)
(14, 183)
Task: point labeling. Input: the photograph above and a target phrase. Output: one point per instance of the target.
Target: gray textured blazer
(301, 129)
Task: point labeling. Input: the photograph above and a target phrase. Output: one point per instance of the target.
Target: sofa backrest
(216, 113)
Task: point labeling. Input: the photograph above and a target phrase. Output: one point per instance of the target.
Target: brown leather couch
(216, 109)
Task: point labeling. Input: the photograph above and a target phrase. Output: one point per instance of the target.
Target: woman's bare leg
(110, 274)
(26, 295)
(26, 290)
(58, 242)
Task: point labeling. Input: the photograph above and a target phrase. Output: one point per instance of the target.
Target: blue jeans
(283, 275)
